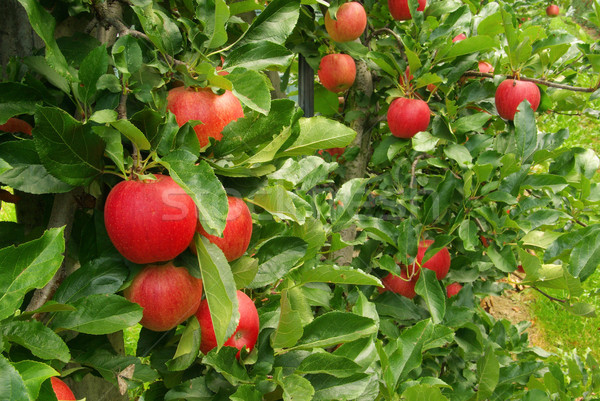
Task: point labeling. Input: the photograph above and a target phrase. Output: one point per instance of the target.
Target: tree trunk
(17, 38)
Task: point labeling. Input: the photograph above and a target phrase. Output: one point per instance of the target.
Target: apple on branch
(150, 221)
(237, 232)
(453, 289)
(406, 117)
(337, 72)
(350, 22)
(168, 294)
(246, 332)
(510, 93)
(400, 11)
(202, 104)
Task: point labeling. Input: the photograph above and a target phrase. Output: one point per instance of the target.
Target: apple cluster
(405, 283)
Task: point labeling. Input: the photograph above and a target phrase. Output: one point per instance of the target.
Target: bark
(357, 168)
(17, 38)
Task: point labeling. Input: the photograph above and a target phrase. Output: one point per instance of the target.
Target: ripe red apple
(15, 125)
(337, 72)
(552, 10)
(245, 334)
(350, 22)
(453, 289)
(485, 67)
(150, 221)
(237, 232)
(406, 117)
(459, 37)
(168, 294)
(400, 11)
(61, 390)
(336, 153)
(510, 93)
(215, 111)
(400, 284)
(439, 262)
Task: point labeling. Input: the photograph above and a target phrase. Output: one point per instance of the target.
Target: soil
(513, 306)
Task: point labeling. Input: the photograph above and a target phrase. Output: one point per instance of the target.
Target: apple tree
(363, 210)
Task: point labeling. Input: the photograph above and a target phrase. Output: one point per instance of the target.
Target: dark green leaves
(276, 257)
(334, 328)
(69, 150)
(28, 266)
(312, 136)
(39, 339)
(430, 289)
(274, 23)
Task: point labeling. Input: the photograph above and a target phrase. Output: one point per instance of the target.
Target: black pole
(306, 89)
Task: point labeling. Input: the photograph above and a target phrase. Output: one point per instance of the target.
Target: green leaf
(348, 388)
(473, 44)
(323, 362)
(132, 133)
(99, 314)
(103, 117)
(258, 56)
(405, 354)
(39, 339)
(305, 173)
(276, 258)
(348, 199)
(127, 55)
(69, 150)
(246, 392)
(430, 289)
(34, 374)
(504, 260)
(99, 276)
(437, 203)
(289, 329)
(278, 202)
(488, 371)
(188, 347)
(555, 183)
(251, 89)
(378, 228)
(244, 270)
(215, 13)
(12, 384)
(423, 392)
(460, 154)
(335, 327)
(219, 289)
(114, 145)
(296, 388)
(525, 131)
(93, 66)
(191, 390)
(25, 171)
(335, 274)
(41, 66)
(224, 362)
(15, 99)
(274, 24)
(160, 28)
(28, 266)
(43, 24)
(585, 256)
(467, 231)
(474, 122)
(200, 182)
(318, 133)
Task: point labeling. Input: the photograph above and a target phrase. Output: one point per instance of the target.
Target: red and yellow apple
(406, 117)
(151, 220)
(237, 232)
(350, 22)
(61, 390)
(214, 111)
(337, 72)
(402, 284)
(168, 294)
(510, 93)
(245, 334)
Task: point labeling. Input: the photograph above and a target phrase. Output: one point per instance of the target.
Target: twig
(537, 81)
(550, 297)
(394, 34)
(63, 214)
(413, 169)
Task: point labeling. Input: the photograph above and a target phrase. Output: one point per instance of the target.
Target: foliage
(99, 116)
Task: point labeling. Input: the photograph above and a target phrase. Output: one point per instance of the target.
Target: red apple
(337, 72)
(439, 262)
(336, 153)
(400, 284)
(15, 125)
(150, 221)
(453, 289)
(245, 334)
(400, 11)
(552, 10)
(168, 294)
(485, 67)
(510, 93)
(520, 269)
(237, 232)
(61, 390)
(459, 37)
(215, 111)
(350, 22)
(406, 117)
